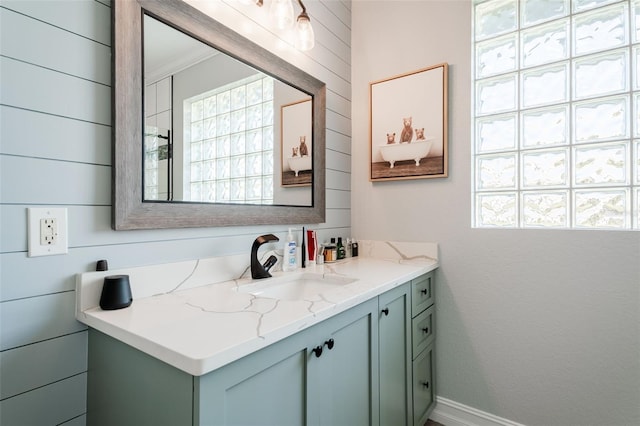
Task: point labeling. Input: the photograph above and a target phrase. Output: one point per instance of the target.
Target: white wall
(539, 327)
(55, 150)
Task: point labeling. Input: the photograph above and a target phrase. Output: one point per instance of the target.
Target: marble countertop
(196, 317)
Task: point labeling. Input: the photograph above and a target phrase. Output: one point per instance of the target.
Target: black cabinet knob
(317, 351)
(424, 291)
(425, 329)
(385, 311)
(425, 385)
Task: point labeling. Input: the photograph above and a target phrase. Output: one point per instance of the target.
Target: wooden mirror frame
(129, 209)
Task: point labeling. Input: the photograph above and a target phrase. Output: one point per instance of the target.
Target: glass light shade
(281, 14)
(305, 39)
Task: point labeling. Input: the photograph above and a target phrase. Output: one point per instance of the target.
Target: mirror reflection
(219, 131)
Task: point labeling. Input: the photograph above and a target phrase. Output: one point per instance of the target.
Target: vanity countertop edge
(201, 327)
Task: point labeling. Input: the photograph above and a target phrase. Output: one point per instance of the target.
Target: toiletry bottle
(334, 250)
(347, 248)
(330, 252)
(311, 246)
(354, 248)
(290, 254)
(326, 249)
(340, 249)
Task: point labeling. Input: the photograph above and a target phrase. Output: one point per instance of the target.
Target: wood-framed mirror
(145, 196)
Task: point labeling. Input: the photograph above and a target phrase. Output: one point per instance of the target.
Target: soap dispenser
(290, 254)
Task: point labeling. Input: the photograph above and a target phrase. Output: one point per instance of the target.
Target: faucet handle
(272, 260)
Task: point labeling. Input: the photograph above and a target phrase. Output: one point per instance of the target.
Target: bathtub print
(296, 144)
(408, 128)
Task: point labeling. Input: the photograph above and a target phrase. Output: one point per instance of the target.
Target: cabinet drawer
(423, 386)
(422, 293)
(422, 330)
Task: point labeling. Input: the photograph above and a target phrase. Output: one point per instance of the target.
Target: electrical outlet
(47, 231)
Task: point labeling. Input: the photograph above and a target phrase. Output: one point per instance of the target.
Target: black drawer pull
(424, 291)
(425, 385)
(385, 311)
(425, 329)
(329, 344)
(318, 351)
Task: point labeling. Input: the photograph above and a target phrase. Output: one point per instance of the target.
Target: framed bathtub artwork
(408, 125)
(296, 143)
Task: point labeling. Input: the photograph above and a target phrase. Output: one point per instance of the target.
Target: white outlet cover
(34, 216)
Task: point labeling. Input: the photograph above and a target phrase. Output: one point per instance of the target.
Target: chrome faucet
(257, 269)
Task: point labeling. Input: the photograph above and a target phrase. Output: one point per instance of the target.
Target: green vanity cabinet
(423, 340)
(394, 353)
(358, 367)
(287, 383)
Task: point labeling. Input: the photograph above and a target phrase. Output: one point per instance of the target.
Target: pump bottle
(290, 254)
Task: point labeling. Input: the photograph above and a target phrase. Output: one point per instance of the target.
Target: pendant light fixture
(305, 38)
(281, 16)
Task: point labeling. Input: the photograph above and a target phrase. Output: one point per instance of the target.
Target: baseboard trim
(451, 413)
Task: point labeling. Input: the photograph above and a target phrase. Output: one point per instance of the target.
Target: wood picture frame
(296, 143)
(409, 125)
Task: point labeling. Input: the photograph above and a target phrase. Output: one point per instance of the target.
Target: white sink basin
(295, 286)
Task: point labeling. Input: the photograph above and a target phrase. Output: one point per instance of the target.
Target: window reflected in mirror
(211, 126)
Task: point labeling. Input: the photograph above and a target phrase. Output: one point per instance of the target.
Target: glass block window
(556, 114)
(228, 143)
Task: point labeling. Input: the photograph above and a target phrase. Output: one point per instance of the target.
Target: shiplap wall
(55, 150)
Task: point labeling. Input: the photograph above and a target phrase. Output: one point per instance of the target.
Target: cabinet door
(423, 386)
(265, 388)
(342, 380)
(394, 344)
